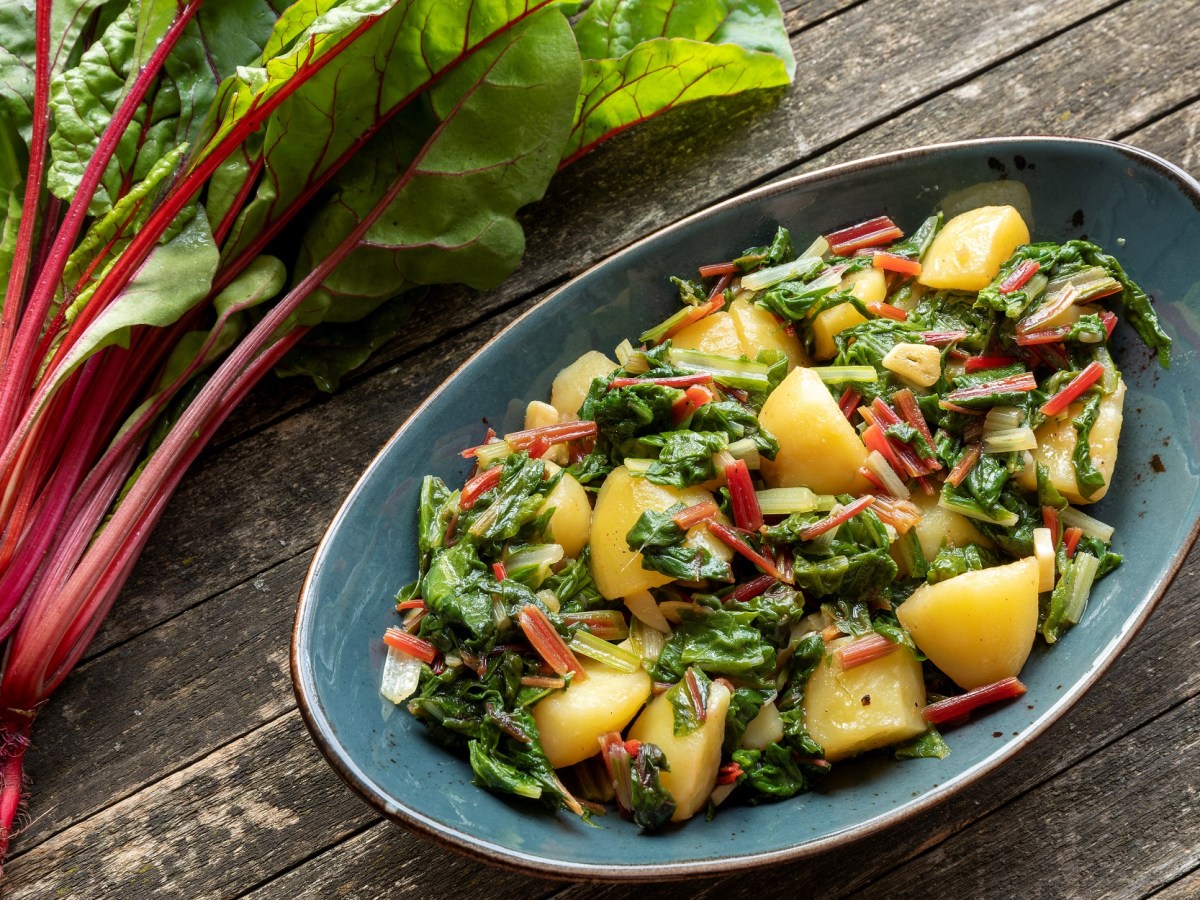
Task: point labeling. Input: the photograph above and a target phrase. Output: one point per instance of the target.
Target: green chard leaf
(641, 59)
(351, 97)
(772, 773)
(487, 149)
(68, 21)
(460, 166)
(222, 37)
(717, 642)
(685, 457)
(661, 543)
(930, 745)
(1087, 476)
(737, 423)
(175, 277)
(689, 709)
(652, 804)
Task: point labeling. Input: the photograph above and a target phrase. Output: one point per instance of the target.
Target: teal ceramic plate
(1130, 202)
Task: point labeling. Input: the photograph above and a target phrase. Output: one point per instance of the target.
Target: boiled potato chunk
(968, 252)
(616, 569)
(571, 521)
(694, 758)
(977, 627)
(818, 447)
(571, 385)
(828, 324)
(869, 286)
(571, 722)
(851, 711)
(759, 330)
(715, 333)
(1056, 442)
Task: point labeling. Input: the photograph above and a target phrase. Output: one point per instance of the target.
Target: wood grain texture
(173, 763)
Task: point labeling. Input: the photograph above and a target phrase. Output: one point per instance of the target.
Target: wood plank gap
(90, 656)
(1000, 808)
(183, 765)
(1179, 107)
(1185, 886)
(321, 851)
(902, 109)
(819, 19)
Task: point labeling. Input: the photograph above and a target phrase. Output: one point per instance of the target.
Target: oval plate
(1131, 203)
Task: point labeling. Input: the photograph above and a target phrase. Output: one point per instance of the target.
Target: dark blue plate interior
(1133, 204)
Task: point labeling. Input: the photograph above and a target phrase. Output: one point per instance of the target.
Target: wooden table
(174, 762)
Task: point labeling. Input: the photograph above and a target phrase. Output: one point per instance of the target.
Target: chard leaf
(687, 711)
(327, 353)
(220, 38)
(652, 804)
(772, 773)
(930, 745)
(1089, 478)
(353, 95)
(12, 191)
(111, 233)
(303, 38)
(488, 145)
(197, 350)
(175, 277)
(641, 59)
(18, 40)
(685, 458)
(716, 642)
(10, 221)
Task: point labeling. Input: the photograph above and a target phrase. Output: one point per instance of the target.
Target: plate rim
(531, 864)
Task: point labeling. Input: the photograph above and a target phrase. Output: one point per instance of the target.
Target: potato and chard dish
(825, 508)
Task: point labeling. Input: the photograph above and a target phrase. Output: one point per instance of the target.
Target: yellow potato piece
(571, 385)
(616, 569)
(818, 448)
(759, 330)
(829, 324)
(851, 711)
(869, 286)
(571, 522)
(715, 333)
(694, 758)
(571, 722)
(1056, 442)
(977, 627)
(968, 252)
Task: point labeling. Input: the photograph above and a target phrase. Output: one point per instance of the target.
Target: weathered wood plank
(1122, 823)
(258, 806)
(1186, 888)
(1175, 137)
(1088, 82)
(163, 701)
(386, 862)
(800, 14)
